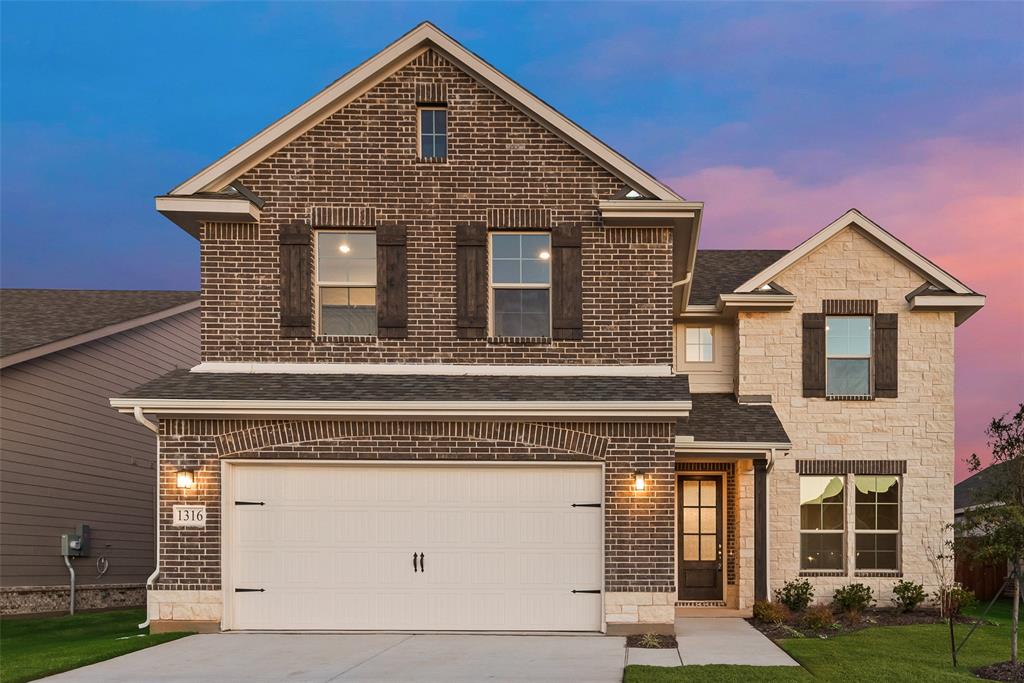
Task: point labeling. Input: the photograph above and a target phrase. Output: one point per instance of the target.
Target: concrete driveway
(396, 658)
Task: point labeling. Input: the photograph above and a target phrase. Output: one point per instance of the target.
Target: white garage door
(420, 547)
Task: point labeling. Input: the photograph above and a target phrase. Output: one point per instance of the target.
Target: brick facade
(359, 168)
(639, 527)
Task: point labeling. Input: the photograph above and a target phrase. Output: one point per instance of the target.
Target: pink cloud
(957, 201)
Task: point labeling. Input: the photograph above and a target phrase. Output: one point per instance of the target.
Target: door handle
(422, 566)
(414, 566)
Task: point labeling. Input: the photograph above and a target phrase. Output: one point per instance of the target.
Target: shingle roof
(718, 417)
(719, 271)
(34, 317)
(977, 487)
(182, 384)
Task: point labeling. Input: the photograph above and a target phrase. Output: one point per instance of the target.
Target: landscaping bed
(651, 641)
(794, 625)
(1001, 671)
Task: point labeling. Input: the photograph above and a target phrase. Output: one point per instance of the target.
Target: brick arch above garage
(407, 439)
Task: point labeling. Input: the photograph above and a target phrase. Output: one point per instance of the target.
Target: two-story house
(464, 368)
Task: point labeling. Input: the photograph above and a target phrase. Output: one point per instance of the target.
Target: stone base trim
(639, 608)
(185, 606)
(57, 599)
(166, 626)
(640, 629)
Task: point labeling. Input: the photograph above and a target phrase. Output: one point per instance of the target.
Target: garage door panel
(502, 547)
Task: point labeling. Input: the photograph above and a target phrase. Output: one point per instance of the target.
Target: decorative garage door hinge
(250, 590)
(586, 505)
(598, 590)
(249, 502)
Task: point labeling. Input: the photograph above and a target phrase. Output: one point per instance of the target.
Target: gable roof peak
(424, 35)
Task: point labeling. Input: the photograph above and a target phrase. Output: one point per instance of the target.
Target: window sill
(345, 339)
(431, 160)
(879, 573)
(822, 572)
(522, 341)
(850, 398)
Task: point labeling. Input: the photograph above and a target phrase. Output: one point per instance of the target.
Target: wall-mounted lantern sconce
(639, 481)
(186, 479)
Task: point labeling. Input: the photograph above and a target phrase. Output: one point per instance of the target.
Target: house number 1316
(189, 515)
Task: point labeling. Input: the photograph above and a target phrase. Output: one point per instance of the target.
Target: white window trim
(317, 284)
(870, 358)
(419, 130)
(491, 286)
(686, 345)
(844, 532)
(898, 532)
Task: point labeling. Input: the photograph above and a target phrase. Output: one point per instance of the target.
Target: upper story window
(822, 522)
(848, 355)
(521, 284)
(433, 132)
(878, 522)
(699, 345)
(346, 279)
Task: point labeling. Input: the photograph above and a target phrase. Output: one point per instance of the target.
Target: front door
(700, 538)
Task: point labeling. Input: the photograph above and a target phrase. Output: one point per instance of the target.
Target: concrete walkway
(345, 658)
(724, 640)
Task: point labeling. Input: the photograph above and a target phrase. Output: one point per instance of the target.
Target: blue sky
(779, 115)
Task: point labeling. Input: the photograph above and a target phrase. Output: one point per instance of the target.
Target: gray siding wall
(66, 457)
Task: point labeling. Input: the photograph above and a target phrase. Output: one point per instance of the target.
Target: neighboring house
(65, 458)
(465, 369)
(984, 578)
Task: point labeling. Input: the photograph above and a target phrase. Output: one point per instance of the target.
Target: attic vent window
(764, 288)
(433, 132)
(633, 194)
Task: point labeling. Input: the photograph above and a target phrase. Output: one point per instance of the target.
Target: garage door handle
(250, 590)
(587, 591)
(586, 505)
(422, 567)
(415, 567)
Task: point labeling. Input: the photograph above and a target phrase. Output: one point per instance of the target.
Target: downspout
(151, 426)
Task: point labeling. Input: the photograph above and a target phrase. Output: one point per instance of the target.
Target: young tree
(992, 528)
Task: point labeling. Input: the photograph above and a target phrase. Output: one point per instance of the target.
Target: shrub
(770, 612)
(853, 597)
(818, 618)
(954, 599)
(796, 595)
(650, 640)
(907, 595)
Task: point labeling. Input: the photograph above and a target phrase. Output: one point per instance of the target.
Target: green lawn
(31, 648)
(894, 653)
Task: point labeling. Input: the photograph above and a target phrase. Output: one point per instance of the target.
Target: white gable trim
(217, 175)
(854, 217)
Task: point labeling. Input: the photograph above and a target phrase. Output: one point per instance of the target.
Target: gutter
(151, 426)
(550, 409)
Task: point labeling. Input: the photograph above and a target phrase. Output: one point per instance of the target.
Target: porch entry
(700, 537)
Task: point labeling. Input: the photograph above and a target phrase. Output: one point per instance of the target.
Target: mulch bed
(647, 641)
(1003, 671)
(794, 628)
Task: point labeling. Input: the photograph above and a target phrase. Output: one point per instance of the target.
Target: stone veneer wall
(57, 599)
(916, 427)
(639, 527)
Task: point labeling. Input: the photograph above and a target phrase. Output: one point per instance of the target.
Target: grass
(918, 653)
(33, 647)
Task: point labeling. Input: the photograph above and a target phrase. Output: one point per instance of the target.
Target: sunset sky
(779, 117)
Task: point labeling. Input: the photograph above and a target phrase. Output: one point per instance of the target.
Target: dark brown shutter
(567, 282)
(392, 287)
(886, 355)
(295, 242)
(471, 280)
(814, 354)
